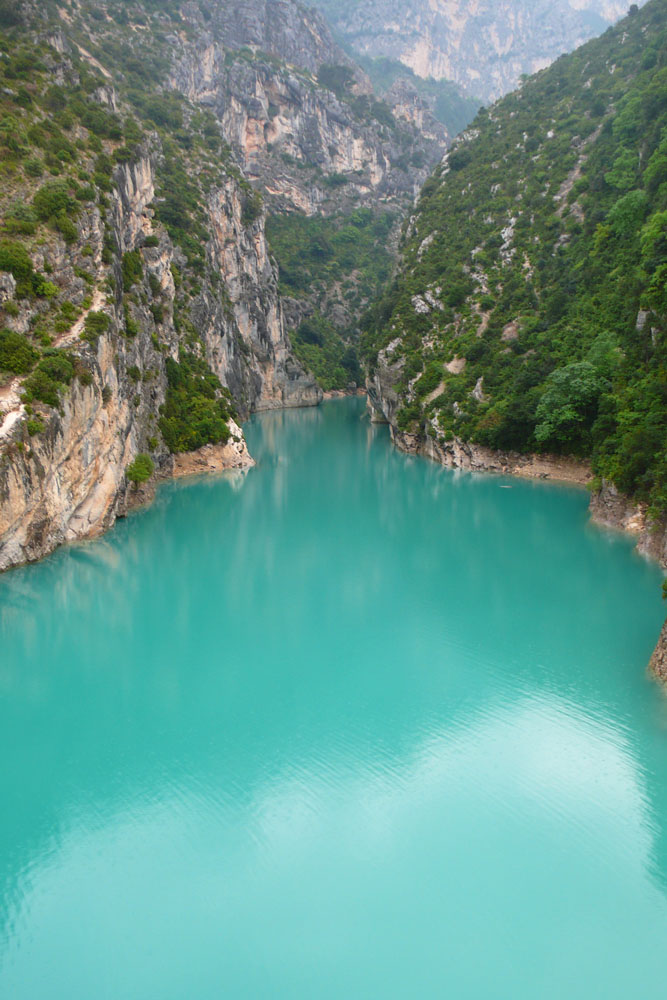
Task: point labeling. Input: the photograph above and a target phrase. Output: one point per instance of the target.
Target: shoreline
(608, 508)
(205, 461)
(342, 393)
(23, 549)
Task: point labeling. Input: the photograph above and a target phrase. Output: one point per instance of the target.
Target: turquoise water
(350, 726)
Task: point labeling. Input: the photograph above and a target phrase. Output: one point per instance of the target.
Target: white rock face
(483, 45)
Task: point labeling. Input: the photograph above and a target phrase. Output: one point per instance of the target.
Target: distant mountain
(484, 46)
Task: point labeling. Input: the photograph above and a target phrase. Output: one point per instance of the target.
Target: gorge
(339, 701)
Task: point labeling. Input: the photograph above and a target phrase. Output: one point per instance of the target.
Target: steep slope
(530, 311)
(143, 141)
(309, 133)
(140, 309)
(484, 47)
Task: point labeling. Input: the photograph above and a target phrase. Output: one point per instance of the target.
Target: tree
(568, 407)
(141, 469)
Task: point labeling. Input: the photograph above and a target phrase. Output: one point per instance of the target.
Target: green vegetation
(140, 470)
(197, 407)
(321, 349)
(539, 255)
(251, 206)
(132, 269)
(54, 371)
(317, 249)
(450, 105)
(17, 355)
(96, 323)
(346, 255)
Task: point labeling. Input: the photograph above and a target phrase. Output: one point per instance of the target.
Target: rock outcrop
(485, 47)
(658, 662)
(290, 132)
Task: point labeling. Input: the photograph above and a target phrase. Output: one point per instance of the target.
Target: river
(350, 725)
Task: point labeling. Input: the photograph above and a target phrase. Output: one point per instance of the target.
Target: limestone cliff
(483, 46)
(161, 252)
(294, 128)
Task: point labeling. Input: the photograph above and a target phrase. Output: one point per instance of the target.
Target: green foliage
(568, 407)
(180, 209)
(9, 14)
(322, 351)
(312, 249)
(196, 409)
(53, 200)
(140, 470)
(338, 79)
(34, 426)
(53, 372)
(17, 355)
(20, 219)
(538, 253)
(95, 324)
(251, 207)
(132, 269)
(15, 258)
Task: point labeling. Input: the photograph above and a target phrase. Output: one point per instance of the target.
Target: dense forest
(530, 310)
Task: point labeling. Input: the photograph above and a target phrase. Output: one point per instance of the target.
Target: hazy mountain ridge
(484, 46)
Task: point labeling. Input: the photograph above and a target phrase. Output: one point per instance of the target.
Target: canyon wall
(485, 46)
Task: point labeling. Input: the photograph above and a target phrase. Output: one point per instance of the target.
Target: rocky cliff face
(123, 297)
(291, 133)
(292, 33)
(483, 46)
(69, 481)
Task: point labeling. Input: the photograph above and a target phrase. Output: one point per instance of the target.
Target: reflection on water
(350, 725)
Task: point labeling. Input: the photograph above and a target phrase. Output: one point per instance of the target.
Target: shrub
(15, 258)
(16, 353)
(33, 167)
(96, 323)
(66, 228)
(40, 386)
(141, 469)
(57, 365)
(196, 410)
(54, 200)
(251, 207)
(336, 78)
(20, 219)
(35, 426)
(132, 268)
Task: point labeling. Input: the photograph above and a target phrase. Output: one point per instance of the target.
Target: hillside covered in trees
(530, 309)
